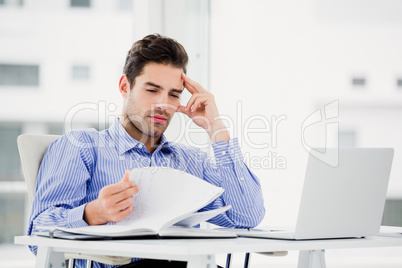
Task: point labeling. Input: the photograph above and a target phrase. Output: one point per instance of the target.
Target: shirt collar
(124, 142)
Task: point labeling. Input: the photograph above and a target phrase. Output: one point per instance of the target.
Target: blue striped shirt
(79, 164)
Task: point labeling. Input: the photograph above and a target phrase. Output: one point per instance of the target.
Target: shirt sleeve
(61, 185)
(242, 187)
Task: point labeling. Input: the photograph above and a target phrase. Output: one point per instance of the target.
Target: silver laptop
(340, 202)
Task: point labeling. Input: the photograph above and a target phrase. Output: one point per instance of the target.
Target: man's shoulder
(83, 138)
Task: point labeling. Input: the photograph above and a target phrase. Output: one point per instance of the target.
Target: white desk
(198, 252)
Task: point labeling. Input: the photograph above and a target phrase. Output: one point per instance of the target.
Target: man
(84, 176)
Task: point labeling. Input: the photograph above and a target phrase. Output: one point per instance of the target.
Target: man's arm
(60, 187)
(242, 188)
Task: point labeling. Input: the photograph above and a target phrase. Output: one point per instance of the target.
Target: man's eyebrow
(160, 87)
(153, 85)
(178, 90)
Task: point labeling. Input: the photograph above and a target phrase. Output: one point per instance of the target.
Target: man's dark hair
(154, 48)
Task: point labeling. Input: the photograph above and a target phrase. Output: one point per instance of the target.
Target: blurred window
(12, 216)
(399, 83)
(10, 166)
(19, 75)
(16, 3)
(125, 5)
(80, 72)
(347, 139)
(359, 82)
(56, 129)
(392, 213)
(80, 3)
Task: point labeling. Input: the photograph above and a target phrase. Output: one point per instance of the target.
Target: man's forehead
(160, 75)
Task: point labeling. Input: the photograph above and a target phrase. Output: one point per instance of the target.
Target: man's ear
(124, 85)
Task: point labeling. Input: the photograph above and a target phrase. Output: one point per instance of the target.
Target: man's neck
(151, 143)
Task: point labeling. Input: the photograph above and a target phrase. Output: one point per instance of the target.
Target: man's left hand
(202, 109)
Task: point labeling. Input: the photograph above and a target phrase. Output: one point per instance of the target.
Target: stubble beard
(145, 126)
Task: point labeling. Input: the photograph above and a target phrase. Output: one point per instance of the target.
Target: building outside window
(125, 5)
(12, 198)
(19, 75)
(80, 3)
(17, 3)
(10, 167)
(80, 72)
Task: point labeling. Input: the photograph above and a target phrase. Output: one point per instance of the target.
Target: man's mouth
(158, 118)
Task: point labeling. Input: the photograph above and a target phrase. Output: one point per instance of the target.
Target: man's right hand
(114, 203)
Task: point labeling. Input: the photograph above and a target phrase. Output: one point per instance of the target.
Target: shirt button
(223, 153)
(140, 146)
(242, 179)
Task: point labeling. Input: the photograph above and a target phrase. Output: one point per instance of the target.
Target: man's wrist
(90, 215)
(219, 132)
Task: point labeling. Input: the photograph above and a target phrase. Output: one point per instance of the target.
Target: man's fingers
(191, 101)
(192, 86)
(117, 188)
(124, 183)
(124, 204)
(123, 195)
(116, 200)
(120, 215)
(119, 205)
(124, 213)
(190, 82)
(197, 104)
(182, 109)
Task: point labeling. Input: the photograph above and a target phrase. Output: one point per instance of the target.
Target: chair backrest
(32, 148)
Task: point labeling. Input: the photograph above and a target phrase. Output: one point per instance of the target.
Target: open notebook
(165, 206)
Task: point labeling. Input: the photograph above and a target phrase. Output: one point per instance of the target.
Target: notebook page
(197, 218)
(166, 195)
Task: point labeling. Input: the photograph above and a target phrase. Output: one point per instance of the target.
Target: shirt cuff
(75, 217)
(227, 153)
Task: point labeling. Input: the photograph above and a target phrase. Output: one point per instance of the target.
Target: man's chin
(157, 131)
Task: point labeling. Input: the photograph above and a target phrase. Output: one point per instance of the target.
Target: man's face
(151, 103)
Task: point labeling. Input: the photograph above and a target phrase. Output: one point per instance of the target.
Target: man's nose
(162, 102)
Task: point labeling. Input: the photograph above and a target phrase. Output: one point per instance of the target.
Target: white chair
(32, 148)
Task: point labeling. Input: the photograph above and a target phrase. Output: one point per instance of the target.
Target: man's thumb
(182, 109)
(126, 176)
